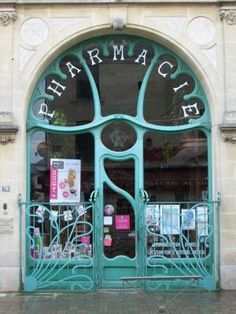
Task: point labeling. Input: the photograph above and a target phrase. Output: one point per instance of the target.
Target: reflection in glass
(72, 240)
(119, 225)
(119, 80)
(121, 173)
(176, 231)
(164, 102)
(45, 146)
(118, 136)
(175, 166)
(73, 100)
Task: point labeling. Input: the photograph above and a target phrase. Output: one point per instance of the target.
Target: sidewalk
(117, 302)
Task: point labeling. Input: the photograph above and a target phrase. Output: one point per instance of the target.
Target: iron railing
(59, 246)
(180, 240)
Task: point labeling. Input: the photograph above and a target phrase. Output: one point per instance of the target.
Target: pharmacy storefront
(119, 178)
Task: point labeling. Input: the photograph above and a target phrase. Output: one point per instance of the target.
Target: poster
(152, 214)
(122, 222)
(188, 219)
(107, 220)
(85, 240)
(65, 176)
(107, 240)
(67, 215)
(170, 220)
(202, 221)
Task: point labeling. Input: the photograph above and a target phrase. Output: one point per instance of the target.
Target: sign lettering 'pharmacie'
(118, 55)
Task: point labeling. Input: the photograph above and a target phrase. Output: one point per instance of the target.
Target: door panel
(119, 225)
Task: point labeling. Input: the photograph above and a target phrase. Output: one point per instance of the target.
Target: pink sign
(122, 222)
(85, 240)
(107, 241)
(53, 183)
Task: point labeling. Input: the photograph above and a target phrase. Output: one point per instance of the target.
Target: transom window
(84, 85)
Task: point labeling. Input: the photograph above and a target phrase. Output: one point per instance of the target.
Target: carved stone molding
(118, 24)
(118, 16)
(229, 15)
(7, 129)
(8, 133)
(228, 132)
(7, 17)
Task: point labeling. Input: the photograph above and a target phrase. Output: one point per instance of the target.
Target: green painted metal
(107, 271)
(51, 267)
(166, 256)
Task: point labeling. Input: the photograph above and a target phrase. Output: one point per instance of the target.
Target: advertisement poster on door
(122, 222)
(65, 176)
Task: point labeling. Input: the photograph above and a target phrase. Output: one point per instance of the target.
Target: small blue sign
(5, 188)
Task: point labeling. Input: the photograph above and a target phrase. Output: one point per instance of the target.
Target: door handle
(144, 195)
(93, 196)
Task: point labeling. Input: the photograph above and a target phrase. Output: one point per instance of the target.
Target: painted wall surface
(31, 36)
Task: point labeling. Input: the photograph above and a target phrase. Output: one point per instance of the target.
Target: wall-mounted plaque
(6, 225)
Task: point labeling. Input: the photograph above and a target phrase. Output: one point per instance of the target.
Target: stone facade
(33, 33)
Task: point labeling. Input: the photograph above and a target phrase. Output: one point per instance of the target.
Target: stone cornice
(228, 132)
(229, 15)
(8, 130)
(7, 16)
(18, 2)
(8, 133)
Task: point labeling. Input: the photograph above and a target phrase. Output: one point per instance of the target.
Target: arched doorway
(119, 169)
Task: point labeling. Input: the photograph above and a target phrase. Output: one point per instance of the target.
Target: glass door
(119, 224)
(119, 203)
(119, 214)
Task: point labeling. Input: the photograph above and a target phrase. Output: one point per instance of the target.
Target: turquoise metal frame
(167, 257)
(59, 267)
(120, 265)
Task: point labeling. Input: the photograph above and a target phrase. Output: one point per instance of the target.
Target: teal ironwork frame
(54, 268)
(187, 258)
(140, 125)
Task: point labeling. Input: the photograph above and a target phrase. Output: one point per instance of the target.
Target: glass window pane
(73, 239)
(73, 100)
(118, 77)
(177, 231)
(175, 166)
(121, 173)
(164, 102)
(45, 146)
(119, 225)
(119, 219)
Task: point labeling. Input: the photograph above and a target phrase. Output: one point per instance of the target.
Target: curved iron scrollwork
(179, 242)
(59, 242)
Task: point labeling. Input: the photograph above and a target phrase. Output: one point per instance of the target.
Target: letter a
(70, 67)
(142, 55)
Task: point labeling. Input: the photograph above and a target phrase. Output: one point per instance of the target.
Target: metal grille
(59, 246)
(179, 241)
